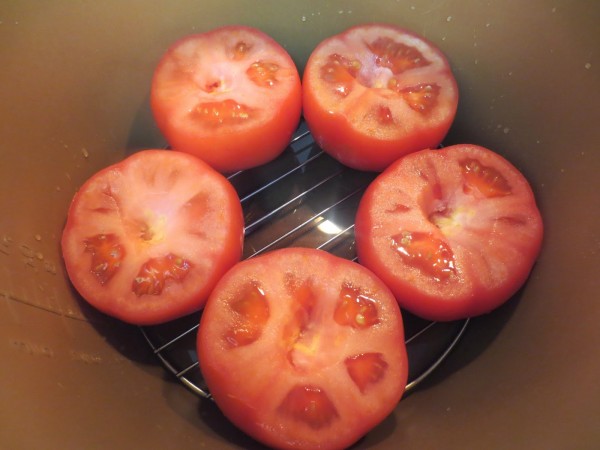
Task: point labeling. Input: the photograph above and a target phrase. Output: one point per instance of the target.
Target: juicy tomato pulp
(231, 96)
(453, 232)
(302, 349)
(376, 92)
(147, 239)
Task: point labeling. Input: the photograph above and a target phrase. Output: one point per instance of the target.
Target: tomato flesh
(376, 92)
(453, 232)
(327, 361)
(231, 96)
(147, 238)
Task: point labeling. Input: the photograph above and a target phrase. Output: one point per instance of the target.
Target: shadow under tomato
(478, 336)
(144, 133)
(212, 416)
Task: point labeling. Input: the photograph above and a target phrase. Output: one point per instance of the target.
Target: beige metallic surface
(74, 92)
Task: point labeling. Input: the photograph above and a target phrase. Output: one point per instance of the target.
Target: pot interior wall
(74, 98)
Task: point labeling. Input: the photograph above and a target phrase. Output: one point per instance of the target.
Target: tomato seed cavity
(263, 73)
(107, 255)
(310, 405)
(227, 112)
(154, 274)
(429, 254)
(341, 72)
(366, 369)
(396, 56)
(488, 181)
(422, 97)
(240, 50)
(355, 309)
(251, 314)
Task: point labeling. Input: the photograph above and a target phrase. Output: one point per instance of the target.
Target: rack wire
(304, 198)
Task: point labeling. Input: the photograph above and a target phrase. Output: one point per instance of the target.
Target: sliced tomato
(146, 239)
(231, 96)
(376, 92)
(453, 232)
(320, 358)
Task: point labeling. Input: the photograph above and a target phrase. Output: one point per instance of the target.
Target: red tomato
(303, 349)
(453, 232)
(231, 96)
(376, 92)
(147, 239)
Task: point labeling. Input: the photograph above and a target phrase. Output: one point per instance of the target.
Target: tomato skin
(307, 381)
(147, 238)
(347, 135)
(487, 240)
(274, 110)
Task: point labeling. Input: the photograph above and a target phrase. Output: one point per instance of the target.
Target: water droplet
(588, 65)
(303, 18)
(84, 152)
(38, 237)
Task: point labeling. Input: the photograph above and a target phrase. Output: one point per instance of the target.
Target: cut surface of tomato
(147, 238)
(376, 92)
(453, 232)
(327, 361)
(231, 96)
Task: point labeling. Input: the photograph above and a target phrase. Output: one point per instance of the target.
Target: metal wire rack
(303, 198)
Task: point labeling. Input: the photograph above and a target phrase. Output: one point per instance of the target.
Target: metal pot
(74, 98)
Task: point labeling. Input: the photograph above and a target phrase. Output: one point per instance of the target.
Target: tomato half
(376, 92)
(453, 232)
(231, 96)
(147, 239)
(303, 349)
